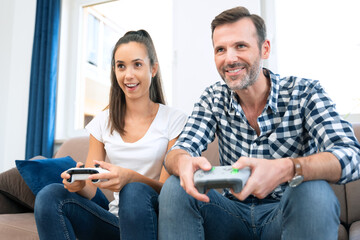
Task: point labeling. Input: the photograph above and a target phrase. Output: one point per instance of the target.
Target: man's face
(238, 58)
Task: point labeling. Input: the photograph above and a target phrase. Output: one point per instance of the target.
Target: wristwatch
(298, 178)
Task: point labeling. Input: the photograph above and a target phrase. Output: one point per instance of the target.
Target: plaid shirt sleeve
(330, 132)
(200, 128)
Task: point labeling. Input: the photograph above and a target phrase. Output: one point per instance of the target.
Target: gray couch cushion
(353, 201)
(8, 205)
(19, 226)
(343, 234)
(13, 186)
(354, 231)
(339, 191)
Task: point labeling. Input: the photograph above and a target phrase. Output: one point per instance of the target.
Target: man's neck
(253, 100)
(255, 96)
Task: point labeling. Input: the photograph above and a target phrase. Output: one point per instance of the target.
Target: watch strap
(297, 167)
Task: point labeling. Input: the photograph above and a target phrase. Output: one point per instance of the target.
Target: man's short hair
(234, 14)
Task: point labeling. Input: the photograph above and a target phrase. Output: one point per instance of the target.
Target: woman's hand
(115, 179)
(75, 186)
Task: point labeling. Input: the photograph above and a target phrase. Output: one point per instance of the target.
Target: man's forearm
(321, 166)
(172, 161)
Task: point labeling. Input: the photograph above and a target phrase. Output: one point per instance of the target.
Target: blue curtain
(43, 79)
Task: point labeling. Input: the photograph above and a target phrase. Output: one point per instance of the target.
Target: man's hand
(265, 176)
(187, 166)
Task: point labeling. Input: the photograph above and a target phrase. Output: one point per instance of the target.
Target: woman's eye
(120, 66)
(138, 64)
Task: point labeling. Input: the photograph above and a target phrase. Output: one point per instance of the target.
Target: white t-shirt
(145, 156)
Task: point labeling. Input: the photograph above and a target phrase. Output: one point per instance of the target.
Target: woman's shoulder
(103, 114)
(100, 118)
(171, 112)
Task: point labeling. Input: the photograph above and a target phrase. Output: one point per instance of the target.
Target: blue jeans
(60, 214)
(309, 211)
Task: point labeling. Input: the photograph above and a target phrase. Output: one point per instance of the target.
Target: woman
(134, 132)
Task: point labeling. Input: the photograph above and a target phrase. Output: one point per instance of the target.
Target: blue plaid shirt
(299, 119)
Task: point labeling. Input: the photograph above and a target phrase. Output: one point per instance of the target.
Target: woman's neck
(140, 108)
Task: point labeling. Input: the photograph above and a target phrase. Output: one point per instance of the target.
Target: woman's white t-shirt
(145, 156)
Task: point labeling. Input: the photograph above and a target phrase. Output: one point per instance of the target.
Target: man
(271, 125)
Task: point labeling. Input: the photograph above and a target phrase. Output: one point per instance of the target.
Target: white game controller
(221, 177)
(84, 173)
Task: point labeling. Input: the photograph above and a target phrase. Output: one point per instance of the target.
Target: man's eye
(241, 46)
(219, 50)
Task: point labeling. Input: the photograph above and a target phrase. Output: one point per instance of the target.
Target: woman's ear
(154, 69)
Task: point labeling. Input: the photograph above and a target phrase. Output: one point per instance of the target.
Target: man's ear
(265, 49)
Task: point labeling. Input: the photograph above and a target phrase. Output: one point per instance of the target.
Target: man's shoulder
(298, 84)
(218, 88)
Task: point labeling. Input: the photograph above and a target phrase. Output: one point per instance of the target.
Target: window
(319, 40)
(89, 30)
(99, 36)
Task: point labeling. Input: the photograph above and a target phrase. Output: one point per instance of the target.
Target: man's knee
(313, 197)
(171, 192)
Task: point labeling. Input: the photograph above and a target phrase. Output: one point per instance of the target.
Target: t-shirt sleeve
(96, 126)
(176, 124)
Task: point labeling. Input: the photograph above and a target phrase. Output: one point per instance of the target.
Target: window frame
(69, 63)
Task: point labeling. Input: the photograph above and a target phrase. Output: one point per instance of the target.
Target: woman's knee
(133, 191)
(137, 197)
(50, 195)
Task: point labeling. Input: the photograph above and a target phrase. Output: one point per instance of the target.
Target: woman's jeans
(309, 211)
(60, 214)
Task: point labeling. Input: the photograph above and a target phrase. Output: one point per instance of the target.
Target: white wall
(17, 20)
(194, 67)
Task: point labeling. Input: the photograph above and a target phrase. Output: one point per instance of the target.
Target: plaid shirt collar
(272, 99)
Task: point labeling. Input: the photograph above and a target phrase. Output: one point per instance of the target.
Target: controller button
(234, 171)
(97, 165)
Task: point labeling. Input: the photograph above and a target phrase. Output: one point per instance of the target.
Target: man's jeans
(60, 214)
(309, 211)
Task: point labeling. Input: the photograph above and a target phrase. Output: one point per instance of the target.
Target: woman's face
(133, 70)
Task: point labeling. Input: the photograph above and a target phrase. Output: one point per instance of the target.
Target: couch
(16, 211)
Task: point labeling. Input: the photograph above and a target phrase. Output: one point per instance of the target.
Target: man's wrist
(172, 161)
(298, 176)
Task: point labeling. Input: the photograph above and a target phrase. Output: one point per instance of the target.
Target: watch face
(296, 181)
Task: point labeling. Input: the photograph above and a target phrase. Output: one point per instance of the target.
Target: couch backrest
(76, 147)
(352, 190)
(356, 127)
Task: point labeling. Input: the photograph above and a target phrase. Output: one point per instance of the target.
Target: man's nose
(231, 56)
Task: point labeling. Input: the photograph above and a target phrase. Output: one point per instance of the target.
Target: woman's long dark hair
(117, 101)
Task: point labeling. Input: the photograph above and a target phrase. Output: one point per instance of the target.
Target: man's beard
(252, 74)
